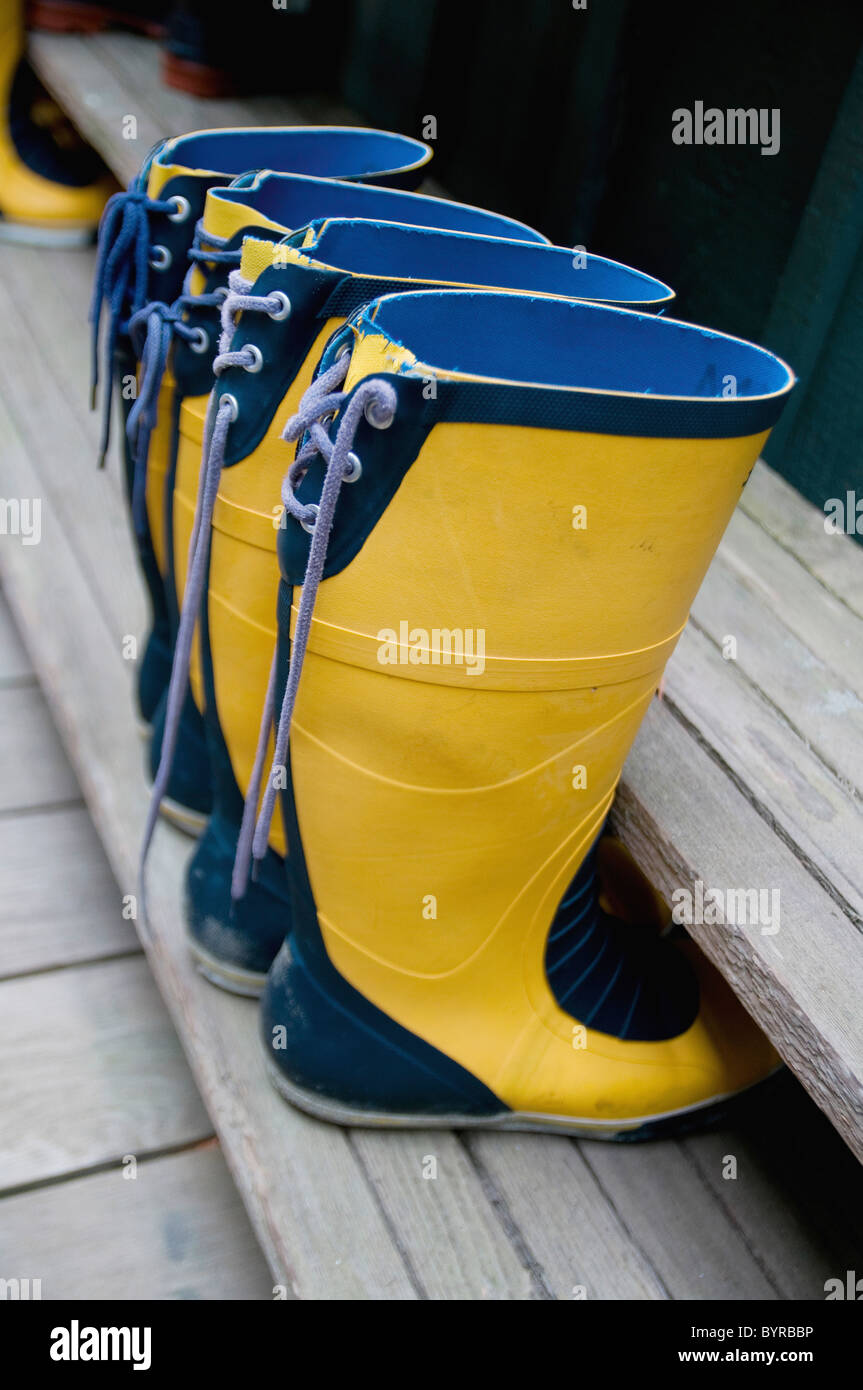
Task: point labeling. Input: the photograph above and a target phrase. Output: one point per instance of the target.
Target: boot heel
(333, 1054)
(234, 942)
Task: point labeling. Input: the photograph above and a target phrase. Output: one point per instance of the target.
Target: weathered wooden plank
(98, 1072)
(785, 1204)
(36, 771)
(138, 65)
(777, 581)
(776, 1232)
(59, 903)
(580, 1243)
(15, 665)
(835, 560)
(812, 807)
(66, 444)
(676, 1219)
(822, 704)
(803, 984)
(176, 1231)
(428, 1186)
(61, 349)
(314, 1212)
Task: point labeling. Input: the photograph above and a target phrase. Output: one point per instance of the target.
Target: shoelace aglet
(102, 459)
(94, 396)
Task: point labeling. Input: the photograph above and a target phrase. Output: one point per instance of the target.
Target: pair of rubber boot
(486, 548)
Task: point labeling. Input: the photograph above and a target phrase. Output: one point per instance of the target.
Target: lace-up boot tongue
(162, 174)
(221, 220)
(375, 352)
(258, 255)
(224, 219)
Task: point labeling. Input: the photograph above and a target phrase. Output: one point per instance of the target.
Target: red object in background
(79, 17)
(198, 79)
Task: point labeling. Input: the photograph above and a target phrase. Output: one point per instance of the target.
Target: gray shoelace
(152, 330)
(375, 399)
(221, 411)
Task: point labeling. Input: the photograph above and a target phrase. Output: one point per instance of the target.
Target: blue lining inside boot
(333, 151)
(295, 200)
(559, 343)
(408, 253)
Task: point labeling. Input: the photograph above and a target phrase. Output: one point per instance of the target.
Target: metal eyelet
(356, 470)
(201, 341)
(183, 208)
(258, 362)
(310, 525)
(381, 422)
(232, 402)
(160, 258)
(345, 347)
(279, 314)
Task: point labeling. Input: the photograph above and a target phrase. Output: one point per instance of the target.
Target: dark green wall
(563, 118)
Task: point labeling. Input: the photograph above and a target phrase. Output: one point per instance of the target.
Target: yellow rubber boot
(335, 267)
(470, 634)
(52, 186)
(266, 204)
(147, 247)
(325, 272)
(273, 206)
(335, 152)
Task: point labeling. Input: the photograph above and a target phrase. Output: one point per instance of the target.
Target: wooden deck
(748, 775)
(93, 1073)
